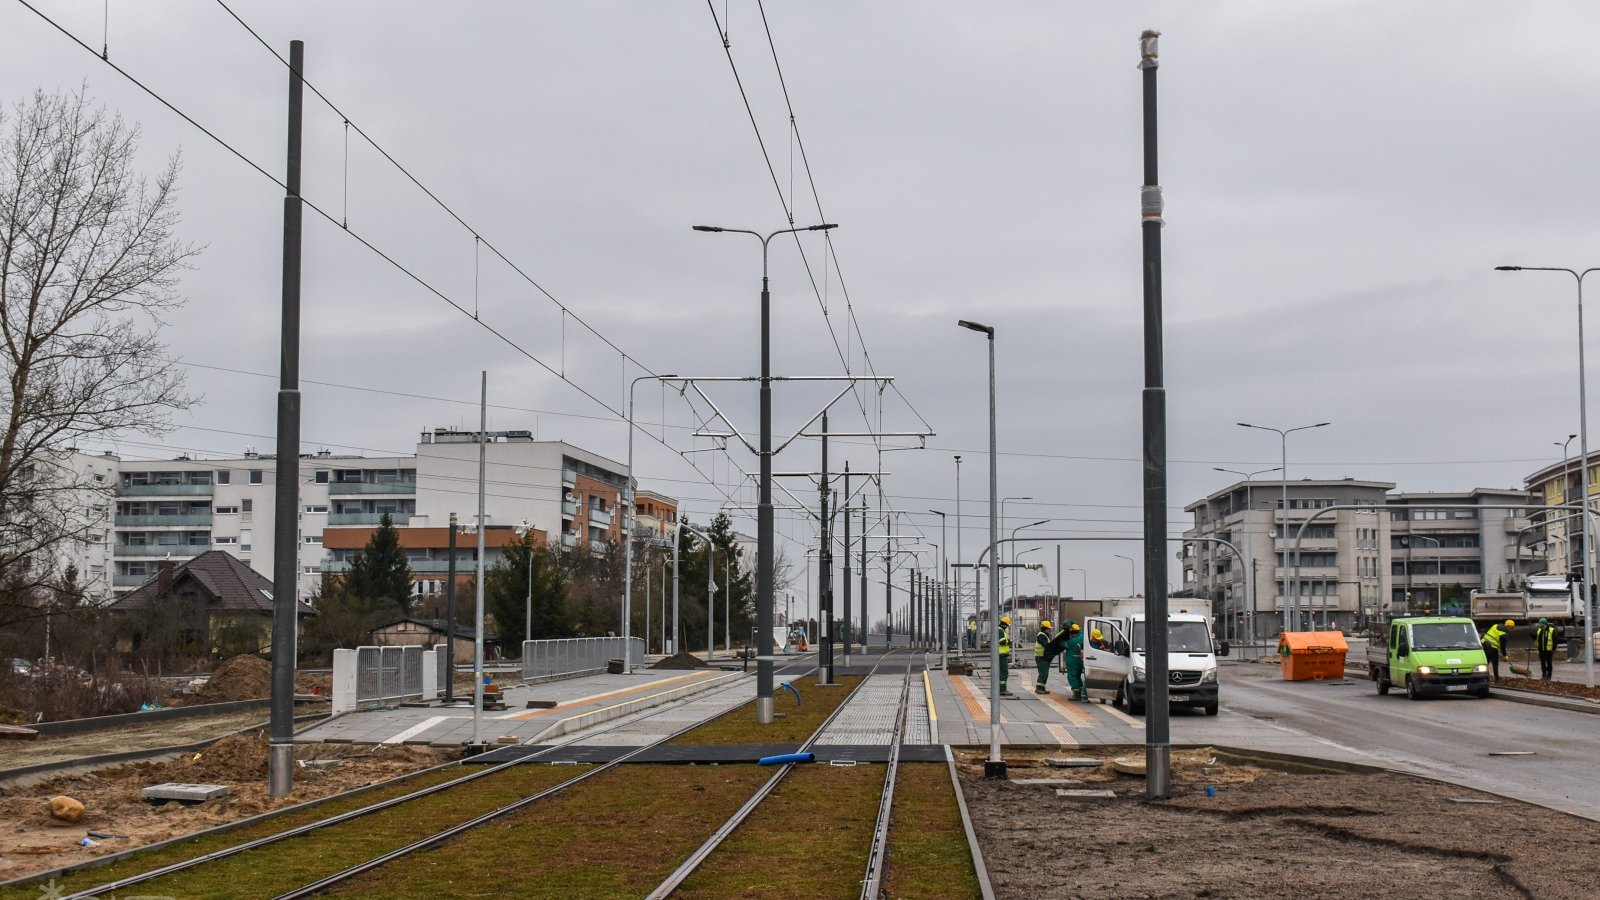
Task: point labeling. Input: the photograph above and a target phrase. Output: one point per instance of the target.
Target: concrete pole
(477, 637)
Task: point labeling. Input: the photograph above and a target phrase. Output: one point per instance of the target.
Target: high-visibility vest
(1545, 638)
(1005, 641)
(1040, 642)
(972, 627)
(1495, 637)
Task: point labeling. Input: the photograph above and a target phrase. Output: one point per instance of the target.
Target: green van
(1429, 655)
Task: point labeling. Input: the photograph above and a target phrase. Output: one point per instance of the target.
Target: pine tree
(505, 594)
(379, 571)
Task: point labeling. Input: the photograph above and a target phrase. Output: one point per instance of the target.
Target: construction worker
(1494, 645)
(1098, 640)
(1073, 650)
(1042, 656)
(1544, 640)
(1002, 640)
(972, 632)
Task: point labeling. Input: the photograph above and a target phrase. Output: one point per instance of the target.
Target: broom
(1524, 670)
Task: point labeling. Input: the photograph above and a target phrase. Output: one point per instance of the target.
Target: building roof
(1276, 486)
(465, 632)
(227, 582)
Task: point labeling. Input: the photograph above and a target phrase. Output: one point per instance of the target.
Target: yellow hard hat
(1096, 634)
(1005, 620)
(1074, 627)
(1510, 623)
(1045, 624)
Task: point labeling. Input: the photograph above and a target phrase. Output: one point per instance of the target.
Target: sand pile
(240, 678)
(680, 661)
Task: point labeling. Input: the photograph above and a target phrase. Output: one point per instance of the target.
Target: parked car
(21, 667)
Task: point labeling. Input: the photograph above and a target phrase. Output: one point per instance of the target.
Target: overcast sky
(1340, 180)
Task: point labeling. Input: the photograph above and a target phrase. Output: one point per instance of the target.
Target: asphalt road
(1449, 738)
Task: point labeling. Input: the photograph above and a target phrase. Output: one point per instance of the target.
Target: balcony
(599, 516)
(569, 508)
(1309, 573)
(183, 520)
(178, 551)
(569, 540)
(367, 518)
(353, 488)
(129, 581)
(1515, 524)
(599, 548)
(569, 477)
(165, 490)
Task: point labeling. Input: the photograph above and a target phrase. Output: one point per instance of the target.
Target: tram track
(484, 776)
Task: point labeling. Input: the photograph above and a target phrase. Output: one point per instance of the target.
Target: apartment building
(1558, 534)
(178, 509)
(1369, 553)
(654, 514)
(427, 550)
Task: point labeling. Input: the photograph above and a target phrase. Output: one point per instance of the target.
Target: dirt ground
(129, 737)
(31, 841)
(1268, 832)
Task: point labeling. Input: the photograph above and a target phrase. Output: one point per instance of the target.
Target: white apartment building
(177, 509)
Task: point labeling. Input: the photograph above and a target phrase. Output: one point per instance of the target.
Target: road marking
(1062, 735)
(417, 729)
(1137, 723)
(621, 692)
(933, 713)
(976, 705)
(1066, 709)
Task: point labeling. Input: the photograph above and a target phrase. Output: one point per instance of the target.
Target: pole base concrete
(764, 710)
(1158, 771)
(994, 768)
(280, 769)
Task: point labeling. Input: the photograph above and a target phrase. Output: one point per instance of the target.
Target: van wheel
(1120, 698)
(1211, 709)
(1483, 692)
(1383, 685)
(1135, 707)
(1411, 689)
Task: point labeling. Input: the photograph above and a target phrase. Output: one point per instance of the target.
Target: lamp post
(1249, 507)
(1014, 554)
(995, 767)
(1133, 584)
(1283, 530)
(1085, 574)
(1408, 539)
(958, 552)
(1566, 491)
(1583, 451)
(1003, 520)
(765, 539)
(523, 531)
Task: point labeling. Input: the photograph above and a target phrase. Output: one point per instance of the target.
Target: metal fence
(388, 674)
(442, 668)
(565, 655)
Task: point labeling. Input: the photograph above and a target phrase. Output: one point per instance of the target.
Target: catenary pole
(477, 615)
(1158, 741)
(450, 618)
(825, 573)
(285, 555)
(845, 618)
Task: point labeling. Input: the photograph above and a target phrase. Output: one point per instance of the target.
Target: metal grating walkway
(868, 718)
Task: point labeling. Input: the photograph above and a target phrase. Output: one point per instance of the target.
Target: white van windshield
(1443, 636)
(1182, 637)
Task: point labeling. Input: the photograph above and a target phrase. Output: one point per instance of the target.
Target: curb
(627, 707)
(97, 723)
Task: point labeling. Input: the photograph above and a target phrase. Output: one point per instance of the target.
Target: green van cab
(1429, 655)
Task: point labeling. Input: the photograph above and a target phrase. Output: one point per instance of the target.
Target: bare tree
(88, 265)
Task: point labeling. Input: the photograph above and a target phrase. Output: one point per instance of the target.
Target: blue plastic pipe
(782, 758)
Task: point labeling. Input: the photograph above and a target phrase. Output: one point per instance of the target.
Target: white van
(1119, 670)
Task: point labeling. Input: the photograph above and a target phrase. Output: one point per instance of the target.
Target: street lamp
(1583, 450)
(523, 531)
(995, 767)
(944, 583)
(1003, 520)
(1085, 574)
(1406, 540)
(1133, 584)
(1566, 491)
(1283, 532)
(1249, 507)
(765, 538)
(1015, 554)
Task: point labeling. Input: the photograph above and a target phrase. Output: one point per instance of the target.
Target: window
(319, 509)
(223, 476)
(247, 505)
(314, 539)
(227, 510)
(311, 570)
(255, 476)
(321, 476)
(244, 540)
(99, 478)
(226, 541)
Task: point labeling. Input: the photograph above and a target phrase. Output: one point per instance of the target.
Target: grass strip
(928, 853)
(793, 726)
(616, 835)
(808, 839)
(178, 852)
(279, 867)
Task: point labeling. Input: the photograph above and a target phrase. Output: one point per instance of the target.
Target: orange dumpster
(1312, 655)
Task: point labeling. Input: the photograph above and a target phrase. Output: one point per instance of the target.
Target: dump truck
(1429, 655)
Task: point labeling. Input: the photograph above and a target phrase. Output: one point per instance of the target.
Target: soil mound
(681, 661)
(240, 678)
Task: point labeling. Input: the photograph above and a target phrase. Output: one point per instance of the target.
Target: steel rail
(265, 840)
(872, 883)
(696, 859)
(323, 884)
